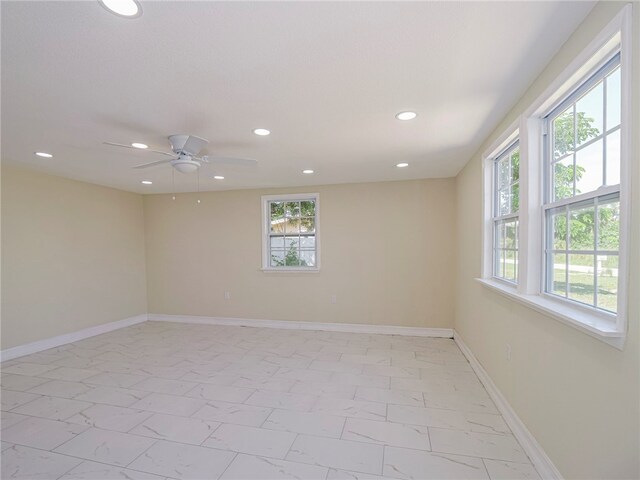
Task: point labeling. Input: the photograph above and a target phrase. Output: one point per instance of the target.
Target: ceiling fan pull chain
(173, 184)
(198, 180)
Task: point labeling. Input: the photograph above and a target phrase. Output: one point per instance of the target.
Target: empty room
(320, 240)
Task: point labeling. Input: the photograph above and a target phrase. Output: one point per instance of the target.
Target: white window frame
(529, 127)
(266, 232)
(497, 218)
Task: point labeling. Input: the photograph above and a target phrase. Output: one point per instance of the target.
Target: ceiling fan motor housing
(185, 164)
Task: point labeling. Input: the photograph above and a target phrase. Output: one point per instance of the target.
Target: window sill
(591, 324)
(290, 270)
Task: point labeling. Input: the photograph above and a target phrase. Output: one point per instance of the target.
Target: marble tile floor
(164, 400)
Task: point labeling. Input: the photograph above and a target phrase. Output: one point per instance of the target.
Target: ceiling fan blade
(139, 149)
(145, 165)
(243, 162)
(194, 144)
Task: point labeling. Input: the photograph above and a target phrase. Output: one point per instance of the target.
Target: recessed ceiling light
(406, 115)
(402, 165)
(218, 177)
(122, 8)
(139, 145)
(44, 154)
(261, 131)
(307, 171)
(147, 182)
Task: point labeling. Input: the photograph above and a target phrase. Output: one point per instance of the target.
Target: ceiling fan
(185, 157)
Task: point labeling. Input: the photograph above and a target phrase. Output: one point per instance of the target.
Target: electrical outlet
(227, 295)
(508, 352)
(333, 299)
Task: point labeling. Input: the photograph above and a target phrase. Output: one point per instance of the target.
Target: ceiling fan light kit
(184, 158)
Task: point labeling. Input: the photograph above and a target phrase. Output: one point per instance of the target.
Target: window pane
(308, 208)
(308, 242)
(511, 234)
(308, 258)
(614, 100)
(581, 278)
(563, 133)
(581, 229)
(503, 173)
(515, 198)
(559, 280)
(292, 259)
(589, 168)
(559, 230)
(613, 158)
(277, 258)
(589, 110)
(563, 179)
(277, 242)
(510, 265)
(292, 209)
(608, 282)
(500, 235)
(515, 165)
(292, 225)
(307, 225)
(291, 242)
(609, 226)
(277, 210)
(504, 197)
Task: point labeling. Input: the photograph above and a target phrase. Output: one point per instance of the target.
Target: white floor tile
(20, 383)
(264, 383)
(342, 454)
(60, 388)
(181, 461)
(110, 379)
(497, 447)
(176, 429)
(416, 465)
(171, 404)
(451, 419)
(31, 464)
(109, 417)
(233, 413)
(99, 471)
(500, 470)
(318, 424)
(290, 401)
(374, 381)
(24, 368)
(336, 474)
(52, 407)
(251, 440)
(120, 397)
(383, 395)
(390, 371)
(69, 374)
(220, 392)
(379, 360)
(106, 446)
(249, 467)
(5, 445)
(41, 433)
(325, 389)
(8, 419)
(164, 385)
(351, 408)
(11, 399)
(302, 375)
(329, 366)
(387, 433)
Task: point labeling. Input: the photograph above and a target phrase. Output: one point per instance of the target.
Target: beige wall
(577, 395)
(72, 256)
(387, 253)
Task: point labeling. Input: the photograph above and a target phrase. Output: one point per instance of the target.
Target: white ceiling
(325, 78)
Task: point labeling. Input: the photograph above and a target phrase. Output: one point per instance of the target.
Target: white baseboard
(296, 325)
(540, 460)
(47, 343)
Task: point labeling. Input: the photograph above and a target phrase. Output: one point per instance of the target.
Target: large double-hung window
(582, 194)
(557, 193)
